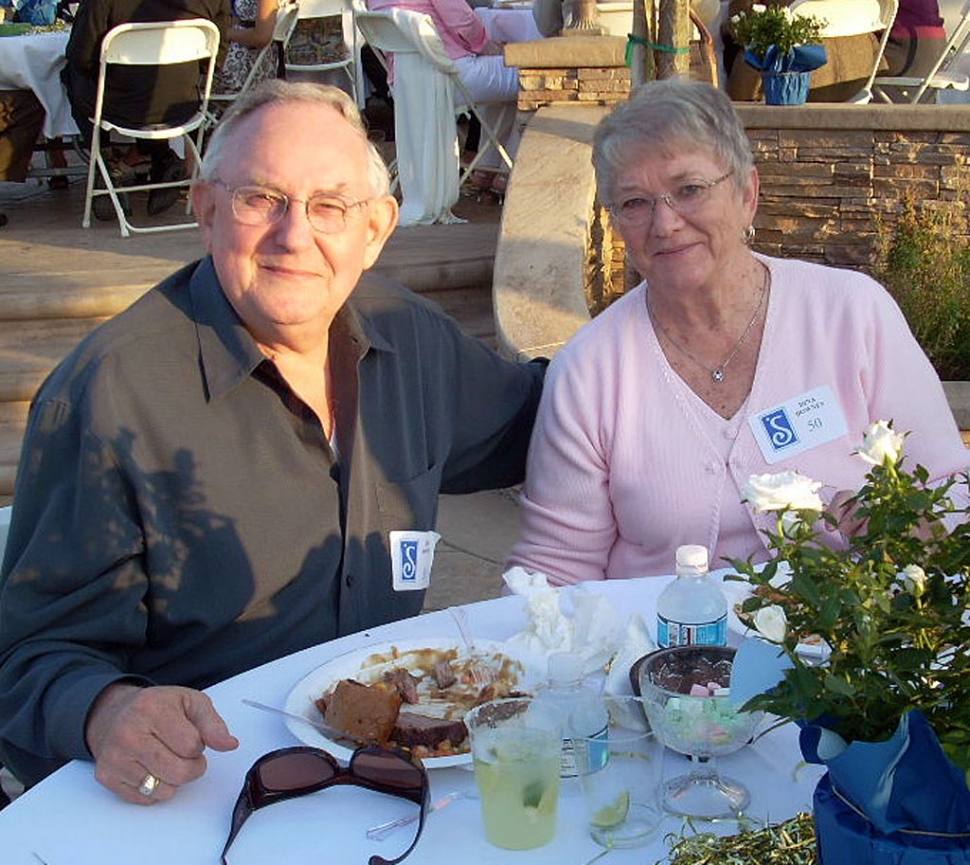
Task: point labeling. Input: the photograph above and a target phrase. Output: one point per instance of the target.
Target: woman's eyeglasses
(689, 197)
(292, 772)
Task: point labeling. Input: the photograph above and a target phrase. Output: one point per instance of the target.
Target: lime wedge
(612, 815)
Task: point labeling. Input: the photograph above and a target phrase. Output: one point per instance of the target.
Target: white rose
(759, 8)
(784, 490)
(771, 623)
(881, 443)
(913, 579)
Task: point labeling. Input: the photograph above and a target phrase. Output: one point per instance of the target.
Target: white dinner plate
(367, 664)
(736, 591)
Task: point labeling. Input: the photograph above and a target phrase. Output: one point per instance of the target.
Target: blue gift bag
(846, 837)
(786, 88)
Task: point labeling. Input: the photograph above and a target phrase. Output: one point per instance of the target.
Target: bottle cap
(691, 559)
(565, 667)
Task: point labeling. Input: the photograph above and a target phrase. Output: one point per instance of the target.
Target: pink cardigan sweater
(626, 463)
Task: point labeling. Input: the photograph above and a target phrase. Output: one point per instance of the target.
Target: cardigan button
(349, 580)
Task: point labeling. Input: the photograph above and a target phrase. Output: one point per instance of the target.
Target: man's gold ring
(148, 785)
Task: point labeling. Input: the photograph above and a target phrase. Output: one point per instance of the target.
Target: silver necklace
(717, 373)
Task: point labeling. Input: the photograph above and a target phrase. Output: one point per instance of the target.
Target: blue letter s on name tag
(409, 561)
(779, 429)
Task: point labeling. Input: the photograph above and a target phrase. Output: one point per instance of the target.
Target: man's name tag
(412, 554)
(798, 425)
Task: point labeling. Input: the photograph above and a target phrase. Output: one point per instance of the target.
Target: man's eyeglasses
(291, 772)
(263, 205)
(688, 198)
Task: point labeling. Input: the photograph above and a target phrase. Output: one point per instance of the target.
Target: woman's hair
(278, 92)
(671, 116)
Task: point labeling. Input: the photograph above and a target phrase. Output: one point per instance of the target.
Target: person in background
(136, 97)
(253, 22)
(916, 39)
(482, 70)
(723, 363)
(21, 122)
(236, 467)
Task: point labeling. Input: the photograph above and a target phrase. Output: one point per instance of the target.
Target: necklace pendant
(717, 375)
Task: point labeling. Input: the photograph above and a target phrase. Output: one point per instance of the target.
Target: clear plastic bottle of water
(692, 610)
(582, 712)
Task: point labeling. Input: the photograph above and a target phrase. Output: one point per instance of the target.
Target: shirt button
(349, 580)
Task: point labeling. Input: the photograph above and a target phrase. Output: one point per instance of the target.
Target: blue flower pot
(846, 837)
(786, 88)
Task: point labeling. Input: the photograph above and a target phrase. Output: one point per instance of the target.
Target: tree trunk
(673, 34)
(641, 60)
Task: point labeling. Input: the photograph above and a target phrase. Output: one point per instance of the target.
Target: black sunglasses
(291, 772)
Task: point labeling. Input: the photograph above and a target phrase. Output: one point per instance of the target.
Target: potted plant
(887, 710)
(785, 47)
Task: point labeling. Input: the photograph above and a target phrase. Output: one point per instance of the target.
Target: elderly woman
(721, 364)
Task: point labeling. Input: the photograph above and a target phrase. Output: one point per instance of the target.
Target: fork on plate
(482, 674)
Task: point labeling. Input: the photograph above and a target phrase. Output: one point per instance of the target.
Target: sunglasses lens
(295, 771)
(388, 769)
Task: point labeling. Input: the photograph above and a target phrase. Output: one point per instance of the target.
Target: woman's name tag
(799, 424)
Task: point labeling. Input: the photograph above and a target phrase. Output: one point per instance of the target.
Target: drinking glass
(702, 727)
(620, 774)
(516, 745)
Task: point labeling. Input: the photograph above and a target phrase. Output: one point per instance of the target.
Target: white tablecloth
(69, 819)
(34, 62)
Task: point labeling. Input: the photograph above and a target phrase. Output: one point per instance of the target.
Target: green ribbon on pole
(632, 40)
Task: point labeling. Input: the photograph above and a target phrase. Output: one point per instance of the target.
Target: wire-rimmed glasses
(690, 196)
(327, 212)
(298, 771)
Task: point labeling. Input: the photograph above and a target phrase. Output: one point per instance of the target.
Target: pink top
(462, 32)
(627, 463)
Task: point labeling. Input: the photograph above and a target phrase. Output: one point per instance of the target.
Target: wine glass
(703, 726)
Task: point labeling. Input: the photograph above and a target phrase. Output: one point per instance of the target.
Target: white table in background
(34, 62)
(69, 819)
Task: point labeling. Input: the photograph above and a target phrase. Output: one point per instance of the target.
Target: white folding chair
(400, 33)
(853, 18)
(286, 18)
(152, 43)
(913, 88)
(334, 10)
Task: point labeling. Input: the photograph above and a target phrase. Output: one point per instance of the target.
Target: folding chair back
(153, 43)
(335, 11)
(286, 19)
(383, 31)
(854, 18)
(940, 76)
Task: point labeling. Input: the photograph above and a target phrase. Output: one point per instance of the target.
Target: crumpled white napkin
(593, 628)
(637, 641)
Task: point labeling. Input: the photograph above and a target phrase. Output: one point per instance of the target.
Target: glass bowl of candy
(686, 694)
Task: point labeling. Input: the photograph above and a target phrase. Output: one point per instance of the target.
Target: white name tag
(798, 425)
(412, 554)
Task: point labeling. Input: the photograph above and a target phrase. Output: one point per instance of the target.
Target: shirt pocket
(411, 504)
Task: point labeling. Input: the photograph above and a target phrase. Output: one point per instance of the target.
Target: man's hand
(134, 732)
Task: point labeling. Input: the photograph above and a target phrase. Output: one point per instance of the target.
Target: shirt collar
(229, 354)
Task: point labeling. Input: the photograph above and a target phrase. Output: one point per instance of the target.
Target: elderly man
(228, 471)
